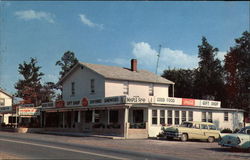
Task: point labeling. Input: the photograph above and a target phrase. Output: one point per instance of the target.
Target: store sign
(168, 100)
(27, 105)
(106, 101)
(85, 102)
(5, 109)
(138, 99)
(206, 103)
(48, 104)
(73, 103)
(29, 111)
(188, 102)
(60, 104)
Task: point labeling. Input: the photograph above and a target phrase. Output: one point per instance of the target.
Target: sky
(112, 33)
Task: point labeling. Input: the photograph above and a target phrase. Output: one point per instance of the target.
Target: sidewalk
(73, 134)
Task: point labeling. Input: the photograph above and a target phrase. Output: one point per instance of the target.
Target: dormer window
(92, 86)
(151, 89)
(125, 88)
(72, 88)
(2, 103)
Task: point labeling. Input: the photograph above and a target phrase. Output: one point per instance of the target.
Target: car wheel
(210, 139)
(184, 137)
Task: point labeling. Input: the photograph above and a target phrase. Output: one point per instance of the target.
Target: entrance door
(138, 116)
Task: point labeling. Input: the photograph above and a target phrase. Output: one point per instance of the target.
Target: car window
(186, 124)
(248, 131)
(211, 127)
(197, 126)
(203, 126)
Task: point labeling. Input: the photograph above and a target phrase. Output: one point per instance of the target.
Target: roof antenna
(158, 57)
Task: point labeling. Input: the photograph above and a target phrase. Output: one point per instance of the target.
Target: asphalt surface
(37, 148)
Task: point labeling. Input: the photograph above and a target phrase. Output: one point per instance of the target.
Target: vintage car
(193, 130)
(240, 139)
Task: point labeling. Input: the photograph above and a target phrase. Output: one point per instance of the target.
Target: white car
(240, 139)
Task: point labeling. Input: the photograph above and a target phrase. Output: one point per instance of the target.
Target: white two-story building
(5, 107)
(126, 102)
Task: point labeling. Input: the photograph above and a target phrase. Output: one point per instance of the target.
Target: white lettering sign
(168, 100)
(5, 109)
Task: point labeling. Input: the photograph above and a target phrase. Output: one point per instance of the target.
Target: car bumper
(173, 134)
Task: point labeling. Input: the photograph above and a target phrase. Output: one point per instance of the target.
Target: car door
(197, 132)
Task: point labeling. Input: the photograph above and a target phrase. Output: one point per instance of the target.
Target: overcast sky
(112, 33)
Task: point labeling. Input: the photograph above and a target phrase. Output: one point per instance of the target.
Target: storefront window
(154, 116)
(177, 118)
(113, 116)
(138, 116)
(88, 117)
(97, 116)
(170, 115)
(203, 117)
(190, 115)
(162, 117)
(210, 117)
(183, 116)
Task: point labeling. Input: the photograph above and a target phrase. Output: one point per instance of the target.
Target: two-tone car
(240, 139)
(193, 130)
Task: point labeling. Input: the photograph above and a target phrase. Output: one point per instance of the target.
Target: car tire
(184, 137)
(210, 139)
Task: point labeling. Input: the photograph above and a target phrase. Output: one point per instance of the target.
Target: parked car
(193, 130)
(240, 139)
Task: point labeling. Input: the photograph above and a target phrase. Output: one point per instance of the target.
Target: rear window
(204, 126)
(212, 127)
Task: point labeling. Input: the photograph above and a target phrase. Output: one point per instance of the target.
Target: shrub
(227, 130)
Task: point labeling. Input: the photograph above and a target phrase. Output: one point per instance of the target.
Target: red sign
(59, 104)
(188, 102)
(85, 102)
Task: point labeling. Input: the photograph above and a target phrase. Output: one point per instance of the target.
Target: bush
(236, 130)
(227, 130)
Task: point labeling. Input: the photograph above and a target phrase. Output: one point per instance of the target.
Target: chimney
(134, 65)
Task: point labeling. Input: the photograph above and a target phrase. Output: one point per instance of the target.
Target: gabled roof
(1, 90)
(119, 73)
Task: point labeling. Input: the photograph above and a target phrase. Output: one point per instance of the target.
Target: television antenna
(158, 57)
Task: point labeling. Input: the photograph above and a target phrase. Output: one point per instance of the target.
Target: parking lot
(178, 149)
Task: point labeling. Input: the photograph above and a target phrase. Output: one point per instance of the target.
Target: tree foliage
(68, 60)
(208, 82)
(237, 73)
(29, 87)
(183, 78)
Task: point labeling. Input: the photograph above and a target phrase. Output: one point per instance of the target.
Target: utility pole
(158, 57)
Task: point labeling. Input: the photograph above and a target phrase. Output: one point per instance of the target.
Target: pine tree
(30, 86)
(209, 75)
(68, 60)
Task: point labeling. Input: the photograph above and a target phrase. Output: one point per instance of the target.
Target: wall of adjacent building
(7, 99)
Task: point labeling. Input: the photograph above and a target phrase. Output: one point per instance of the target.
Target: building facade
(126, 102)
(5, 107)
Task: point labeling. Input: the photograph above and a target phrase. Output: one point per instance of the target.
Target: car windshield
(244, 130)
(186, 124)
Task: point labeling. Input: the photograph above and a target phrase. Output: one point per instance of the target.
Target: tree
(29, 87)
(237, 72)
(209, 75)
(183, 78)
(68, 60)
(48, 92)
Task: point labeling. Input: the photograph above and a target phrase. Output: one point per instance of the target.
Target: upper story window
(125, 88)
(92, 85)
(2, 102)
(151, 90)
(72, 88)
(225, 116)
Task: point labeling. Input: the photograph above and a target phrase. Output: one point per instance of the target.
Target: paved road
(39, 146)
(35, 148)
